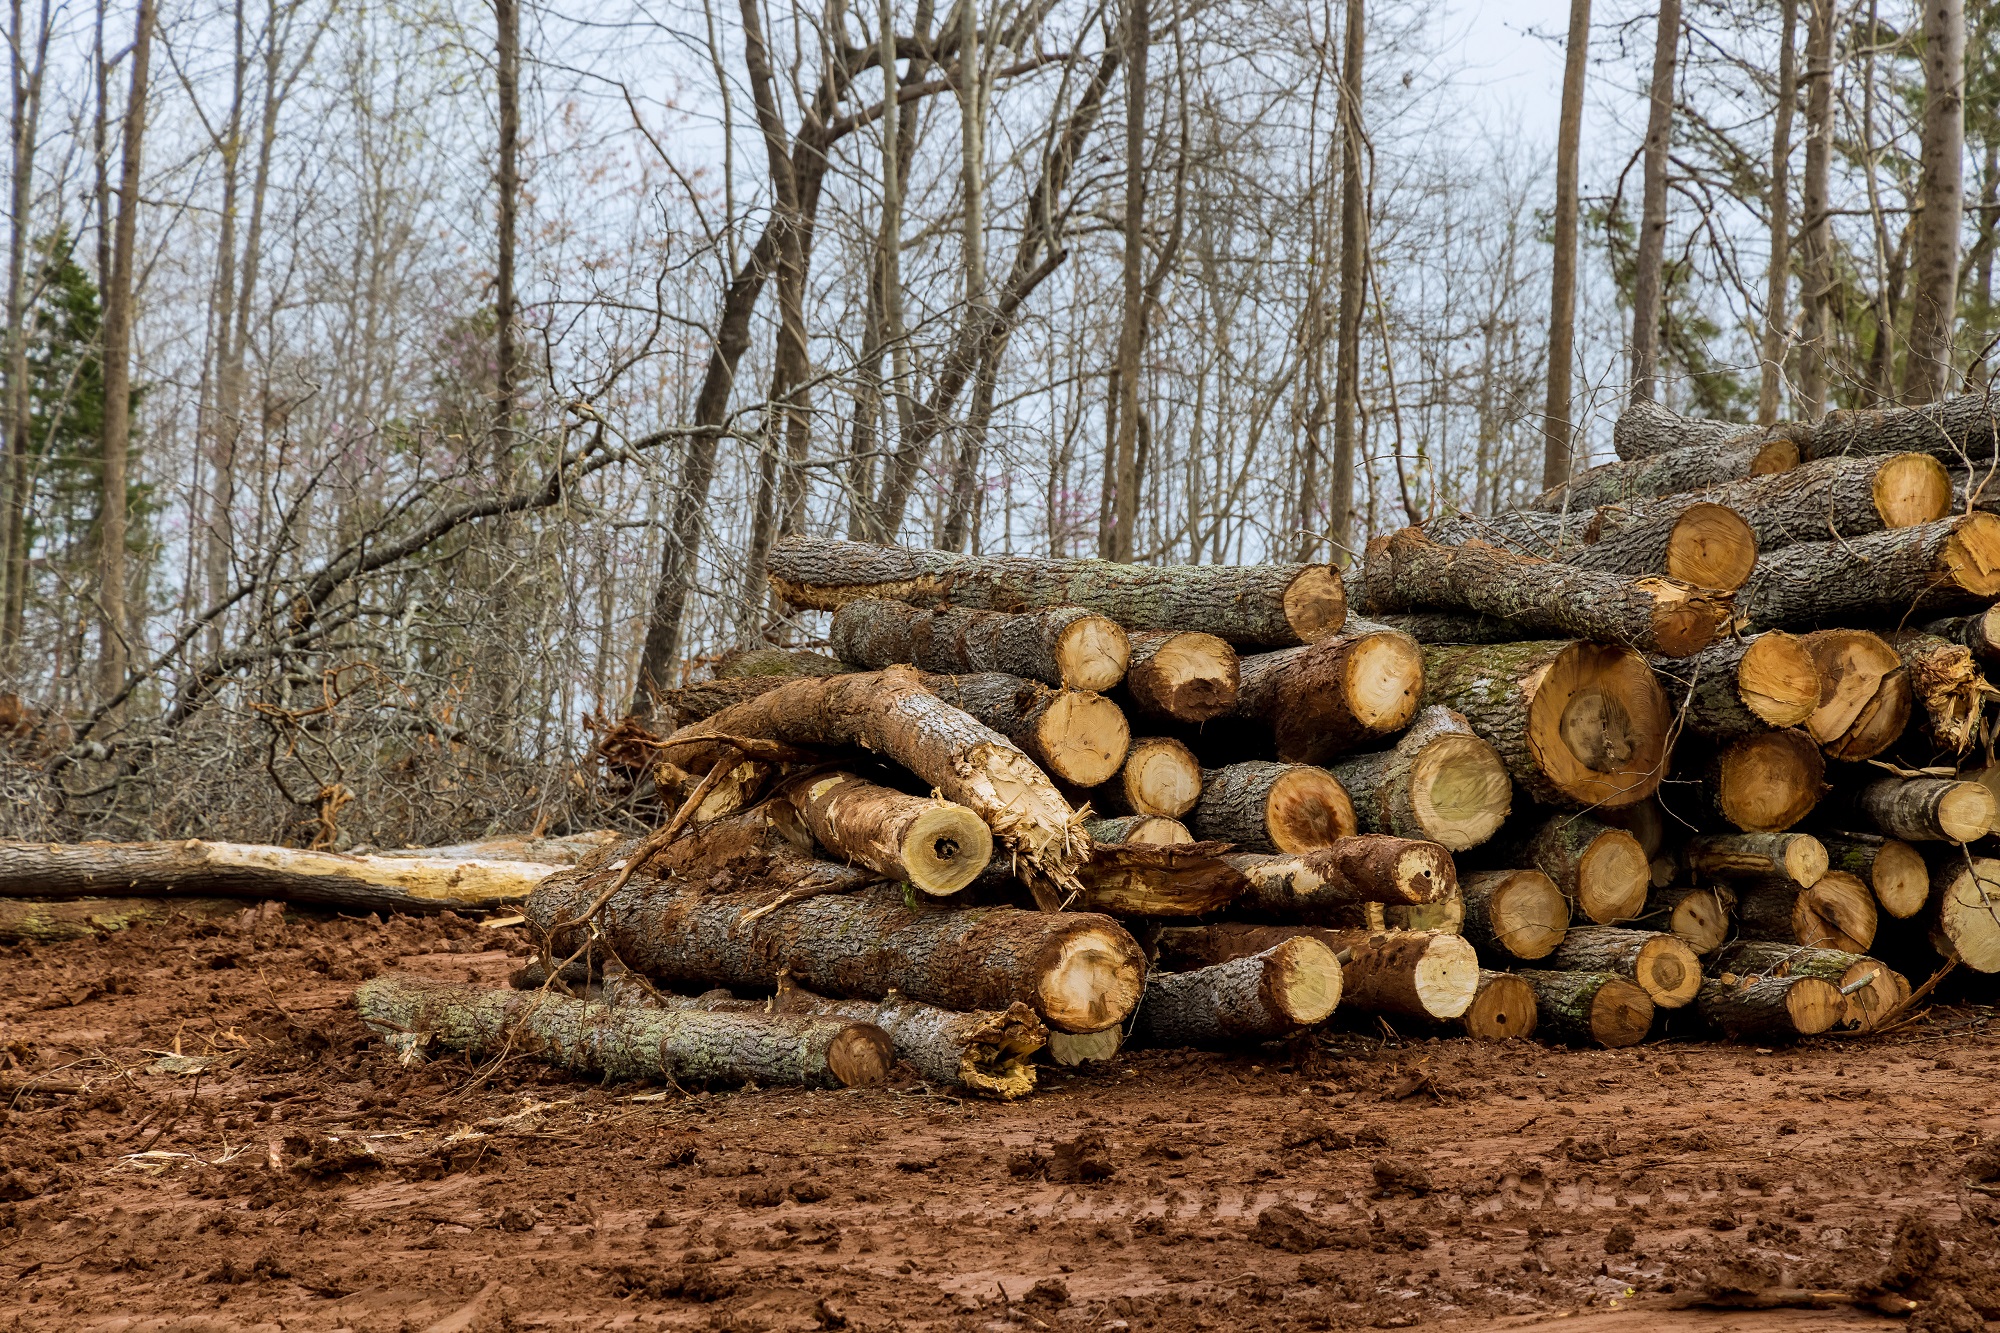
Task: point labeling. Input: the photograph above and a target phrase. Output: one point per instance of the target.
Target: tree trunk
(1864, 694)
(27, 64)
(1778, 270)
(1190, 678)
(1798, 857)
(1963, 924)
(1930, 372)
(1265, 807)
(1601, 870)
(1408, 974)
(1979, 632)
(1741, 687)
(1080, 971)
(1441, 783)
(1816, 276)
(1514, 914)
(1161, 777)
(1893, 870)
(1867, 986)
(1590, 1008)
(1837, 912)
(1700, 916)
(1366, 868)
(1151, 879)
(1689, 469)
(1949, 686)
(193, 869)
(1928, 809)
(1121, 472)
(1577, 724)
(1650, 262)
(1077, 737)
(1556, 425)
(1951, 564)
(1770, 1008)
(1333, 696)
(1955, 430)
(507, 73)
(1504, 1009)
(1291, 985)
(1138, 831)
(1353, 284)
(678, 1045)
(1063, 646)
(1649, 614)
(1841, 496)
(1767, 782)
(1662, 964)
(1256, 605)
(932, 845)
(24, 921)
(1648, 430)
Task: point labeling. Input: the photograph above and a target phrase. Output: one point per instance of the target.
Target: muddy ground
(199, 1135)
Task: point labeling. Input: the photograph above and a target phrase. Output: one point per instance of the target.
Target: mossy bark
(1590, 1008)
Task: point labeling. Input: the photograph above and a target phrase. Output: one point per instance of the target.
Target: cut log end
(1307, 808)
(1968, 925)
(1384, 681)
(1525, 915)
(1077, 1048)
(1316, 603)
(1503, 1010)
(1092, 653)
(1701, 918)
(1621, 1013)
(1190, 677)
(1161, 777)
(1768, 782)
(1093, 981)
(861, 1055)
(1876, 991)
(1446, 978)
(1302, 980)
(1777, 680)
(1837, 912)
(1598, 725)
(1910, 489)
(1711, 546)
(1865, 695)
(1684, 622)
(1460, 792)
(1815, 1005)
(1776, 455)
(1901, 880)
(1668, 971)
(1805, 859)
(1972, 556)
(1966, 812)
(1084, 738)
(1613, 875)
(945, 848)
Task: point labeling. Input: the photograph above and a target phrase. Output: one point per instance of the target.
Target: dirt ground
(199, 1135)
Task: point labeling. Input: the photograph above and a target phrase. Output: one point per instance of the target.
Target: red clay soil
(199, 1135)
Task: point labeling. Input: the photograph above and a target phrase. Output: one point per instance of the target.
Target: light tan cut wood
(1442, 782)
(1766, 1008)
(1966, 923)
(1340, 694)
(1838, 912)
(1139, 831)
(1767, 782)
(1591, 1008)
(1663, 964)
(1161, 776)
(1503, 1009)
(1091, 653)
(1910, 489)
(1778, 680)
(1513, 913)
(1711, 546)
(1893, 869)
(1267, 807)
(1152, 880)
(1187, 677)
(1366, 868)
(1867, 985)
(1412, 974)
(1081, 1048)
(1699, 916)
(936, 846)
(1601, 869)
(1799, 857)
(1864, 693)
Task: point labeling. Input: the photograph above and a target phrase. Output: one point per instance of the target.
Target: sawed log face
(1064, 646)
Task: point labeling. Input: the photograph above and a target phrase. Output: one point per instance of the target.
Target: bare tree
(1556, 425)
(1353, 296)
(1778, 276)
(507, 79)
(27, 63)
(1120, 507)
(1815, 221)
(1934, 297)
(1650, 262)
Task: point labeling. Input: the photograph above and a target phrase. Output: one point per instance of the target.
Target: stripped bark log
(1891, 868)
(1590, 1008)
(1154, 880)
(1181, 677)
(1368, 868)
(1768, 1008)
(1837, 912)
(1289, 986)
(1260, 605)
(1948, 686)
(1741, 686)
(1441, 783)
(1686, 469)
(1767, 782)
(1334, 696)
(1064, 646)
(1864, 693)
(934, 845)
(1950, 564)
(1266, 807)
(1663, 964)
(1513, 913)
(1160, 776)
(1799, 857)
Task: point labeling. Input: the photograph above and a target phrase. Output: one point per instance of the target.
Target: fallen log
(1502, 1009)
(1590, 1008)
(198, 869)
(1441, 783)
(615, 1042)
(1836, 912)
(1181, 677)
(1949, 564)
(1334, 696)
(1819, 501)
(1260, 605)
(1138, 830)
(1767, 782)
(1769, 1008)
(22, 920)
(1892, 869)
(1600, 869)
(1576, 724)
(1266, 807)
(1646, 429)
(1077, 737)
(1287, 987)
(1424, 975)
(1687, 469)
(1662, 964)
(1742, 686)
(1408, 572)
(1864, 693)
(1154, 880)
(1431, 627)
(1699, 916)
(1079, 971)
(566, 850)
(893, 714)
(1928, 809)
(1366, 868)
(748, 662)
(1868, 987)
(1964, 917)
(1953, 429)
(933, 845)
(1160, 776)
(1979, 631)
(1799, 857)
(1948, 686)
(1701, 543)
(1063, 646)
(1513, 913)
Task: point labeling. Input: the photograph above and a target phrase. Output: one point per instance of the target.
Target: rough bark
(1948, 685)
(1893, 870)
(1601, 870)
(1767, 782)
(1965, 916)
(1367, 868)
(1816, 273)
(1441, 783)
(934, 845)
(1769, 1008)
(1590, 1008)
(1063, 645)
(1778, 209)
(1434, 627)
(22, 920)
(1355, 275)
(1799, 857)
(1928, 809)
(1864, 693)
(1406, 973)
(1929, 372)
(1979, 632)
(1079, 971)
(1694, 539)
(616, 1042)
(1182, 677)
(1513, 914)
(1333, 696)
(1503, 1009)
(1576, 724)
(1957, 430)
(1646, 429)
(1556, 425)
(746, 662)
(1950, 564)
(1545, 597)
(1160, 776)
(1837, 912)
(1661, 963)
(1267, 807)
(1825, 499)
(195, 869)
(1138, 830)
(1075, 736)
(1867, 986)
(565, 850)
(1141, 879)
(1700, 916)
(1668, 474)
(1649, 267)
(1291, 985)
(1739, 687)
(1274, 606)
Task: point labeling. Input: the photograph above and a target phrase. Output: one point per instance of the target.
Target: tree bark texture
(1334, 696)
(1798, 857)
(1268, 807)
(1816, 275)
(1514, 914)
(26, 921)
(1739, 687)
(1950, 564)
(1668, 474)
(1828, 498)
(1979, 632)
(1182, 677)
(1366, 868)
(1556, 426)
(1647, 429)
(1948, 685)
(1929, 372)
(1590, 1008)
(1140, 879)
(1953, 429)
(1289, 986)
(1928, 809)
(934, 845)
(1770, 1008)
(1649, 276)
(1354, 269)
(1661, 963)
(1441, 783)
(1275, 606)
(1867, 985)
(1778, 209)
(1138, 830)
(1063, 646)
